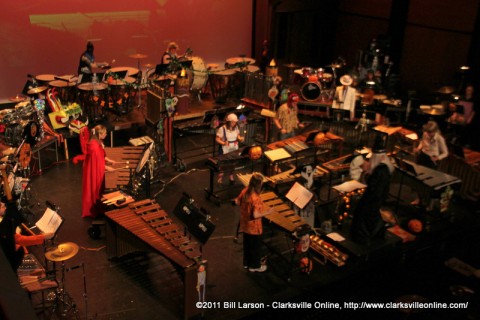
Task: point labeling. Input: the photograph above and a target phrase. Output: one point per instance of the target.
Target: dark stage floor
(147, 286)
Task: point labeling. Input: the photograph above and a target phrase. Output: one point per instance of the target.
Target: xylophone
(284, 216)
(143, 226)
(127, 159)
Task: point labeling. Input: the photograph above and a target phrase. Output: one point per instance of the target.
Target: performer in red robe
(94, 173)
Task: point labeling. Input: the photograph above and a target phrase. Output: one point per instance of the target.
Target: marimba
(127, 159)
(284, 216)
(145, 226)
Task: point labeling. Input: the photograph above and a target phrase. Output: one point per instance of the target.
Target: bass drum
(15, 133)
(311, 91)
(198, 73)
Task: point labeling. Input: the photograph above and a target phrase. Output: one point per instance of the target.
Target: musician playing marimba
(228, 138)
(94, 173)
(252, 210)
(367, 221)
(287, 119)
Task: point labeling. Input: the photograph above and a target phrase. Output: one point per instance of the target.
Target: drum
(44, 79)
(15, 133)
(325, 80)
(131, 72)
(66, 89)
(311, 91)
(24, 110)
(121, 95)
(7, 116)
(198, 74)
(221, 83)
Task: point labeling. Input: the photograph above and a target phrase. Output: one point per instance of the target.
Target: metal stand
(62, 297)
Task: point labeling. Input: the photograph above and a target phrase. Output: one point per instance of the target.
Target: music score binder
(50, 221)
(299, 195)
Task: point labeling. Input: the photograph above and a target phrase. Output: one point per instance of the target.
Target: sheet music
(299, 195)
(49, 222)
(349, 186)
(412, 136)
(277, 154)
(335, 236)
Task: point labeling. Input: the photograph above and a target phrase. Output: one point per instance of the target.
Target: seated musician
(228, 138)
(367, 221)
(93, 181)
(287, 117)
(345, 96)
(370, 82)
(87, 61)
(252, 210)
(11, 240)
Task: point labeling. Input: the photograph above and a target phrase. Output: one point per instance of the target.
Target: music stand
(161, 69)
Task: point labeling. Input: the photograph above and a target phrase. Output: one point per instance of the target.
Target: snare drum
(311, 91)
(198, 74)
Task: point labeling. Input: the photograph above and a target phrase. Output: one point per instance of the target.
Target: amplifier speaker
(155, 107)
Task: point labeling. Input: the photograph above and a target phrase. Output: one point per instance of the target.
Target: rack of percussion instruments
(303, 235)
(145, 226)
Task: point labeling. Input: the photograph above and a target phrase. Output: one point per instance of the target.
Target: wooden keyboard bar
(283, 216)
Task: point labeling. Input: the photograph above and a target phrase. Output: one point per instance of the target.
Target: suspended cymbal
(334, 66)
(240, 60)
(138, 56)
(37, 90)
(63, 252)
(434, 112)
(148, 65)
(291, 65)
(18, 98)
(446, 90)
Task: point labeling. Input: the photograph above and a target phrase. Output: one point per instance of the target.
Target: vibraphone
(226, 163)
(289, 176)
(430, 184)
(338, 166)
(145, 226)
(122, 175)
(467, 169)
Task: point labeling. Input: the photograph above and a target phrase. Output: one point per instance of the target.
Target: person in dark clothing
(367, 221)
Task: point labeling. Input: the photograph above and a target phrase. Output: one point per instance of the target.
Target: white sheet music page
(299, 195)
(349, 186)
(49, 222)
(277, 154)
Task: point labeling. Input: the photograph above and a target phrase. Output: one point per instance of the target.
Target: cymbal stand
(85, 297)
(139, 83)
(63, 297)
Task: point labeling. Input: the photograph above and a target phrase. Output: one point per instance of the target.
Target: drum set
(315, 84)
(21, 124)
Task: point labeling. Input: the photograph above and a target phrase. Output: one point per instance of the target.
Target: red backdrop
(48, 36)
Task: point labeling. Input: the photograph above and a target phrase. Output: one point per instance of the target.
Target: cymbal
(37, 90)
(446, 90)
(148, 65)
(245, 60)
(334, 65)
(63, 252)
(138, 56)
(18, 98)
(434, 112)
(291, 65)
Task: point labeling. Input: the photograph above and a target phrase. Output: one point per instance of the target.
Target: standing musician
(367, 220)
(94, 172)
(87, 61)
(252, 210)
(432, 147)
(345, 96)
(228, 137)
(287, 117)
(170, 54)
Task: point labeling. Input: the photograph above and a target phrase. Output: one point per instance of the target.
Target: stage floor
(147, 286)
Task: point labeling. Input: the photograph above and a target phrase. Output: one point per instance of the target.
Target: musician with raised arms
(94, 167)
